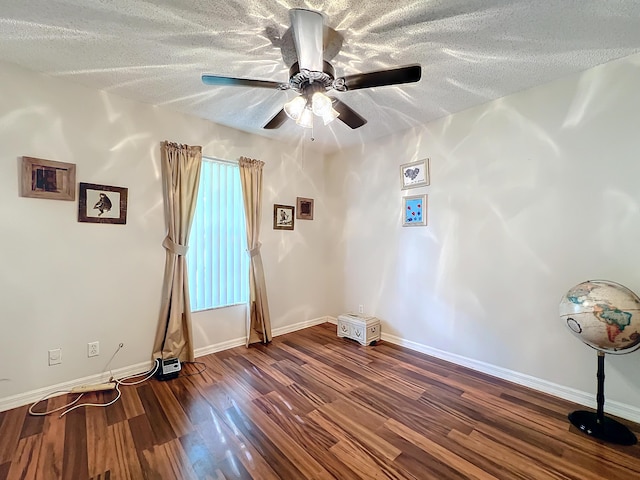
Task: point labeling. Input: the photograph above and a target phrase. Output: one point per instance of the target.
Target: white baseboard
(32, 396)
(618, 409)
(299, 326)
(238, 342)
(218, 347)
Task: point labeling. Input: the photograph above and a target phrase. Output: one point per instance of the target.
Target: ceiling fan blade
(347, 114)
(308, 31)
(395, 76)
(238, 82)
(277, 120)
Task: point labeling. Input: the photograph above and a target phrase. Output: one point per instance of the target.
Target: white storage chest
(361, 328)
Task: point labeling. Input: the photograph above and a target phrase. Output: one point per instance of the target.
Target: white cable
(120, 345)
(57, 409)
(118, 383)
(149, 373)
(94, 404)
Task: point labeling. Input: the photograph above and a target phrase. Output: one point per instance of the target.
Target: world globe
(606, 316)
(603, 314)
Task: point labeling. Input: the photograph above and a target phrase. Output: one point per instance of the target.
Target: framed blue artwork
(414, 210)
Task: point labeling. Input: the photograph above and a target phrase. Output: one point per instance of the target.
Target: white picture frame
(415, 174)
(414, 210)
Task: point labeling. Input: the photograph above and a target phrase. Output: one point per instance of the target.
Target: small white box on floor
(361, 328)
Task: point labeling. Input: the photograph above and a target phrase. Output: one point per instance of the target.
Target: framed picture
(414, 210)
(283, 217)
(414, 174)
(47, 179)
(304, 208)
(102, 204)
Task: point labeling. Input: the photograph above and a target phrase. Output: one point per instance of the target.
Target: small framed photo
(47, 179)
(283, 217)
(414, 174)
(102, 204)
(414, 210)
(304, 208)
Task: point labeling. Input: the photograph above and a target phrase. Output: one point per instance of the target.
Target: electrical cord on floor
(117, 383)
(199, 372)
(149, 374)
(31, 412)
(94, 404)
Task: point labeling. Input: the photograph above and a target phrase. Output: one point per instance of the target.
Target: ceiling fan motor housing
(308, 82)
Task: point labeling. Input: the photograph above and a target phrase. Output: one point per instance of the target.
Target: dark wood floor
(312, 406)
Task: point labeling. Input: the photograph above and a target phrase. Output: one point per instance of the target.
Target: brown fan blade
(381, 78)
(238, 82)
(277, 120)
(347, 114)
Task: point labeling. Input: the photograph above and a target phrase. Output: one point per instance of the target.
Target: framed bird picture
(414, 210)
(414, 174)
(102, 204)
(283, 217)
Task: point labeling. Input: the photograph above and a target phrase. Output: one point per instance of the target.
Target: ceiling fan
(311, 76)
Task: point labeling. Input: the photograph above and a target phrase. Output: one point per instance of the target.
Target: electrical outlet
(55, 356)
(360, 308)
(93, 349)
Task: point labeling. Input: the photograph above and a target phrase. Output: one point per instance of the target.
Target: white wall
(64, 283)
(529, 195)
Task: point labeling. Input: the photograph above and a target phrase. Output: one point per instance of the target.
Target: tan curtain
(258, 320)
(181, 166)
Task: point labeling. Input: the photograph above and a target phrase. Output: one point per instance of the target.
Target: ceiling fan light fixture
(295, 108)
(330, 116)
(321, 104)
(306, 118)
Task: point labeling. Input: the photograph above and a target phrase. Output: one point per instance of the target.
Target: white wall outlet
(360, 308)
(93, 349)
(55, 356)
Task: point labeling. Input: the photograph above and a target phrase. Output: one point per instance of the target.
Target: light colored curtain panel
(181, 166)
(258, 320)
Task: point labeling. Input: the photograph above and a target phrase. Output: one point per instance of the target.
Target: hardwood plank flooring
(313, 406)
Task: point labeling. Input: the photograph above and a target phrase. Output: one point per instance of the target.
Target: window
(217, 261)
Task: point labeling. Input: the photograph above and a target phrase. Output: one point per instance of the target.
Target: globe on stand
(606, 316)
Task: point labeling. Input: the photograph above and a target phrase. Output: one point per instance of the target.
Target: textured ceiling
(471, 52)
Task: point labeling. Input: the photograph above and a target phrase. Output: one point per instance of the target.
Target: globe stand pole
(596, 424)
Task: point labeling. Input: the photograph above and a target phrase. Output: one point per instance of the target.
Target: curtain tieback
(175, 248)
(254, 251)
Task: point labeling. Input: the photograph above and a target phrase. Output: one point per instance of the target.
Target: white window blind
(217, 261)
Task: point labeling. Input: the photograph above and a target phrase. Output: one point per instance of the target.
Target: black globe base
(608, 429)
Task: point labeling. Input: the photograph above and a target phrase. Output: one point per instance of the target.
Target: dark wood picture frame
(42, 178)
(102, 204)
(304, 208)
(283, 217)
